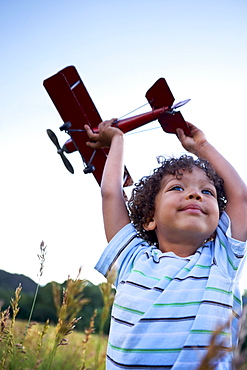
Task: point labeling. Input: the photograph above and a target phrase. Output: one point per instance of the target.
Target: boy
(178, 261)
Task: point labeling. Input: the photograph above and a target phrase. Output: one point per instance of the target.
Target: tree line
(44, 306)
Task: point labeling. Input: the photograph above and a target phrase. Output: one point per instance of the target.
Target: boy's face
(186, 209)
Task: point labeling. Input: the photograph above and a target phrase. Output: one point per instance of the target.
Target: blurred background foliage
(45, 308)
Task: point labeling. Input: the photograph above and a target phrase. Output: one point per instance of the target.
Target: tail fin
(159, 95)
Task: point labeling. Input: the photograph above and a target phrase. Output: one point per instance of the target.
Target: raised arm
(115, 213)
(234, 187)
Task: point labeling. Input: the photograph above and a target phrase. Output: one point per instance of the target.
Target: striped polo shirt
(167, 307)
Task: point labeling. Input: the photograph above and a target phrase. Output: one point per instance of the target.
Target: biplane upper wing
(74, 105)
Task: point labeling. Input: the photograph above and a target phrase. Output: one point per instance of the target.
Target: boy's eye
(177, 188)
(209, 192)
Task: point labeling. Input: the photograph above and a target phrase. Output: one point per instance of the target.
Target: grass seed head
(216, 350)
(240, 352)
(41, 257)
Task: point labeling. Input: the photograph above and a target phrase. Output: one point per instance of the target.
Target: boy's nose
(194, 195)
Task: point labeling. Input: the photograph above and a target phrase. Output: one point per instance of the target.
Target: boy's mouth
(193, 208)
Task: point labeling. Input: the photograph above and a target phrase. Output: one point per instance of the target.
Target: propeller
(60, 151)
(180, 104)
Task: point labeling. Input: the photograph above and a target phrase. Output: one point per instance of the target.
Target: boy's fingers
(107, 123)
(93, 145)
(111, 121)
(92, 135)
(180, 133)
(190, 125)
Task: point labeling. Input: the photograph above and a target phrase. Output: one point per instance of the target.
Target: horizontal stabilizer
(171, 121)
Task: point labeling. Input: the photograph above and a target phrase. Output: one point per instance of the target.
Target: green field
(36, 352)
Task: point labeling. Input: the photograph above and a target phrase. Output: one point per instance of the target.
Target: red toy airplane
(76, 109)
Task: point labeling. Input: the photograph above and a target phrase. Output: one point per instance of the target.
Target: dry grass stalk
(7, 336)
(88, 333)
(71, 305)
(40, 342)
(5, 315)
(108, 298)
(240, 353)
(56, 293)
(41, 257)
(216, 350)
(14, 303)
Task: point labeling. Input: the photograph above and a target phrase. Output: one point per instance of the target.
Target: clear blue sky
(120, 48)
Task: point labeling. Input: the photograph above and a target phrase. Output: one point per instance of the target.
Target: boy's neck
(185, 249)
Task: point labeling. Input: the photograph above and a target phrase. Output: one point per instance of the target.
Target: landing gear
(89, 169)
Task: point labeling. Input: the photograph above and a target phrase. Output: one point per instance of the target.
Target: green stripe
(181, 304)
(129, 309)
(218, 290)
(145, 350)
(237, 299)
(186, 269)
(202, 266)
(197, 265)
(225, 292)
(168, 278)
(207, 332)
(228, 258)
(147, 276)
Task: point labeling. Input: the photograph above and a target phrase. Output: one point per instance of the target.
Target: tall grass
(27, 345)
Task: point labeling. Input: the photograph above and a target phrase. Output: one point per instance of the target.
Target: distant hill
(10, 281)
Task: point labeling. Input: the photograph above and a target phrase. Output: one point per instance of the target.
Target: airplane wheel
(65, 126)
(89, 169)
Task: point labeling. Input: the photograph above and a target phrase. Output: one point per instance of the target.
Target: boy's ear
(150, 225)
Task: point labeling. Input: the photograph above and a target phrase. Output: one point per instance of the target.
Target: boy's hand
(104, 135)
(192, 143)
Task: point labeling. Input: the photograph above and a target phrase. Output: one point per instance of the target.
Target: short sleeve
(121, 252)
(228, 251)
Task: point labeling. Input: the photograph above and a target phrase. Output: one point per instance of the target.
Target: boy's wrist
(203, 150)
(117, 136)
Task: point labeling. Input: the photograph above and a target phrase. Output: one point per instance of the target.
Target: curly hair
(142, 201)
